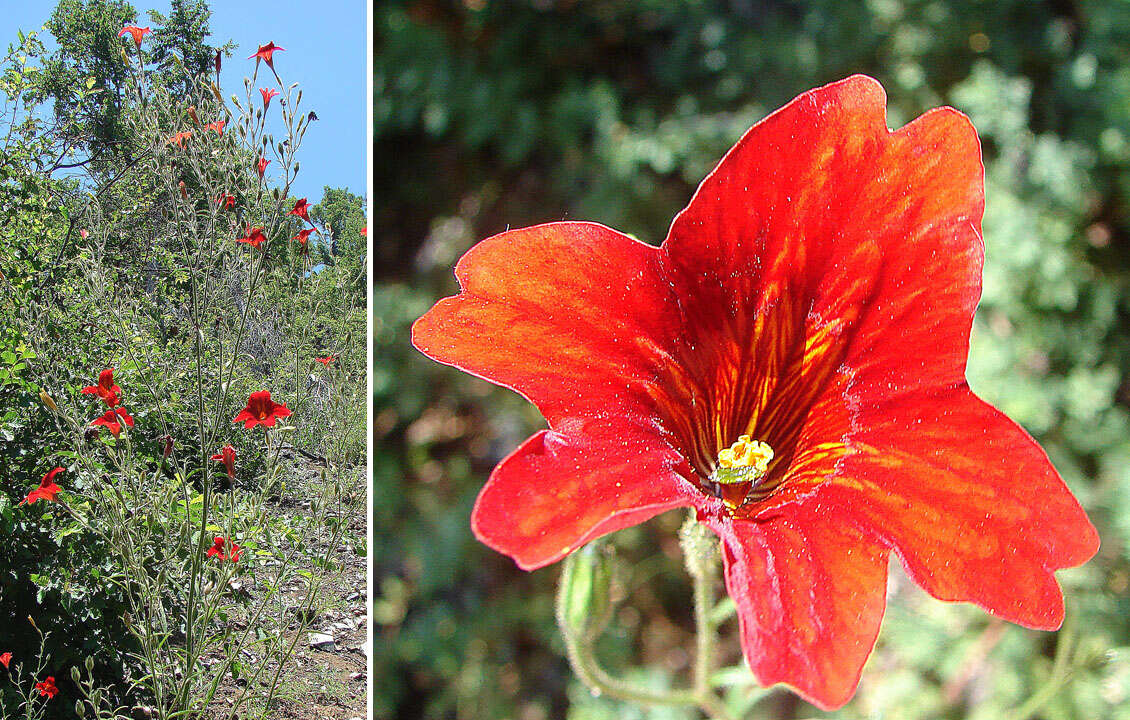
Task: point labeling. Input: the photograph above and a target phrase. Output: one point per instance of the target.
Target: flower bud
(89, 662)
(47, 401)
(584, 601)
(75, 675)
(80, 709)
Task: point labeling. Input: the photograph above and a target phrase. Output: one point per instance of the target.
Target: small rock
(322, 641)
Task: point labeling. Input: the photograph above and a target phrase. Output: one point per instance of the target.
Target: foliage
(100, 257)
(493, 115)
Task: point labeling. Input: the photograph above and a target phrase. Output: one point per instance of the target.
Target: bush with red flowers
(137, 334)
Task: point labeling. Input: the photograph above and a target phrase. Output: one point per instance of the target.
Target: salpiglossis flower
(113, 420)
(266, 53)
(47, 687)
(106, 390)
(46, 490)
(267, 95)
(261, 166)
(303, 238)
(227, 457)
(790, 363)
(326, 360)
(180, 138)
(217, 126)
(261, 410)
(220, 549)
(5, 659)
(226, 202)
(301, 209)
(137, 33)
(253, 236)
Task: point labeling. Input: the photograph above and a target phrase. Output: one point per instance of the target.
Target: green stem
(584, 663)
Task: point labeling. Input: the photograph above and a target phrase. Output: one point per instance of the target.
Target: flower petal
(571, 315)
(559, 490)
(966, 498)
(861, 233)
(810, 593)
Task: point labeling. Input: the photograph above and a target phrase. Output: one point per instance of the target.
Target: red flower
(301, 209)
(303, 238)
(326, 360)
(192, 114)
(262, 166)
(47, 687)
(266, 54)
(226, 202)
(179, 139)
(217, 126)
(5, 659)
(105, 389)
(365, 232)
(109, 420)
(137, 33)
(219, 545)
(46, 491)
(261, 410)
(267, 95)
(183, 190)
(253, 236)
(83, 233)
(791, 364)
(227, 457)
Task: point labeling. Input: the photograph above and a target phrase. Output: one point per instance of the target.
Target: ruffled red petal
(559, 490)
(967, 499)
(575, 316)
(810, 593)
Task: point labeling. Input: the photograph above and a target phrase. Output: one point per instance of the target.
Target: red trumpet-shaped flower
(5, 659)
(364, 232)
(113, 420)
(266, 54)
(226, 202)
(267, 95)
(221, 550)
(301, 209)
(227, 457)
(790, 363)
(179, 138)
(46, 490)
(47, 687)
(105, 389)
(253, 236)
(261, 410)
(303, 236)
(261, 166)
(217, 126)
(326, 360)
(137, 33)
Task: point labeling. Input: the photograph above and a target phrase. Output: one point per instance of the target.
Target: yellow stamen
(747, 453)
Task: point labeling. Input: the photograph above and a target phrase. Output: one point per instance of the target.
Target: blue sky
(325, 54)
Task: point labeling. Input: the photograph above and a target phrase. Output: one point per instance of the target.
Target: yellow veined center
(740, 469)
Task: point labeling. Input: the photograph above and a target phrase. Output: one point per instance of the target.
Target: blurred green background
(491, 115)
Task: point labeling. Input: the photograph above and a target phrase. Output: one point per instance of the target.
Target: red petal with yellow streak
(574, 316)
(810, 594)
(966, 498)
(559, 490)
